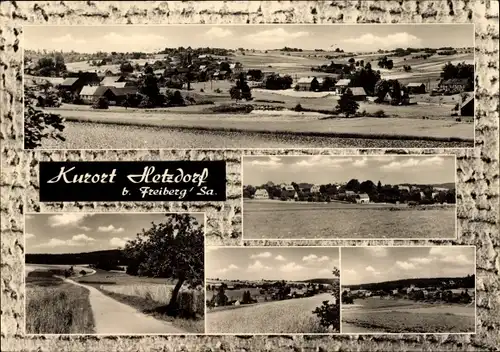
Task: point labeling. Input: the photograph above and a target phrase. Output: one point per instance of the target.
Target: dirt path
(113, 317)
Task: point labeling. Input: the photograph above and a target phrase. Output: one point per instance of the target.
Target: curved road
(113, 317)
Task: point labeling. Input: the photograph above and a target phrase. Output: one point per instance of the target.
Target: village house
(395, 292)
(416, 88)
(415, 189)
(315, 189)
(410, 289)
(306, 83)
(362, 198)
(342, 85)
(454, 84)
(72, 85)
(440, 189)
(434, 195)
(358, 93)
(289, 192)
(350, 193)
(467, 107)
(422, 195)
(90, 94)
(109, 80)
(403, 188)
(261, 194)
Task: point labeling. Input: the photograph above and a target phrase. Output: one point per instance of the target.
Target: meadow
(56, 307)
(400, 316)
(290, 220)
(288, 316)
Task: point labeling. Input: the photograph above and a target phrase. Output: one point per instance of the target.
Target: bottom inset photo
(267, 290)
(114, 273)
(408, 289)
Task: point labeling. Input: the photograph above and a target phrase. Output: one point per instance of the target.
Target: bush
(329, 315)
(83, 272)
(298, 107)
(202, 90)
(379, 113)
(101, 103)
(217, 90)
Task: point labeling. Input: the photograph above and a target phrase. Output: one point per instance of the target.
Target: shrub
(202, 90)
(83, 272)
(101, 103)
(298, 107)
(329, 314)
(217, 90)
(379, 113)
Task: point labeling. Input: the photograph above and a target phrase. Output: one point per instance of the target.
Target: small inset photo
(114, 273)
(349, 197)
(408, 289)
(269, 290)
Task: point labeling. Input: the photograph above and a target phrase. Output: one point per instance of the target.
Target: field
(289, 316)
(400, 316)
(290, 220)
(56, 307)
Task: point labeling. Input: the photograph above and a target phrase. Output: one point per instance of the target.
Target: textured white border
(124, 213)
(356, 238)
(422, 333)
(256, 24)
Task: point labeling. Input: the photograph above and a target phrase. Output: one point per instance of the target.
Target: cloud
(405, 265)
(280, 257)
(273, 36)
(323, 258)
(84, 228)
(229, 268)
(291, 267)
(359, 162)
(218, 32)
(271, 161)
(324, 272)
(401, 39)
(323, 161)
(28, 235)
(257, 266)
(119, 242)
(379, 252)
(370, 269)
(457, 260)
(261, 255)
(419, 260)
(310, 258)
(349, 272)
(413, 162)
(110, 228)
(68, 39)
(75, 241)
(67, 219)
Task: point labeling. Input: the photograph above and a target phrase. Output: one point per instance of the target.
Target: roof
(109, 79)
(289, 188)
(116, 84)
(467, 101)
(357, 91)
(97, 91)
(54, 80)
(89, 90)
(363, 195)
(415, 84)
(463, 81)
(69, 81)
(158, 72)
(343, 82)
(309, 80)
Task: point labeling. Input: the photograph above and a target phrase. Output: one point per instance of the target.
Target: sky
(324, 169)
(271, 263)
(86, 232)
(363, 265)
(350, 38)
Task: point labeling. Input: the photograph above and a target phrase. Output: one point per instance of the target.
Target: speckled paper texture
(477, 169)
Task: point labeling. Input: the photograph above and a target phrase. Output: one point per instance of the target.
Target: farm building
(403, 188)
(362, 198)
(261, 194)
(416, 88)
(358, 93)
(455, 84)
(350, 193)
(289, 192)
(90, 94)
(467, 107)
(72, 84)
(308, 83)
(315, 189)
(341, 85)
(109, 80)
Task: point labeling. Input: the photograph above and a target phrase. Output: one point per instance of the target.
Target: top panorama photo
(249, 86)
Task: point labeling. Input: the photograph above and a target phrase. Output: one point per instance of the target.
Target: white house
(261, 194)
(315, 189)
(341, 85)
(403, 188)
(362, 198)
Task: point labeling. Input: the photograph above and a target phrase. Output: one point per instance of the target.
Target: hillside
(113, 255)
(467, 282)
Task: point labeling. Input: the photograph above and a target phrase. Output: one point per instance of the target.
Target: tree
(39, 125)
(329, 313)
(235, 93)
(353, 185)
(126, 67)
(347, 105)
(171, 249)
(351, 60)
(149, 87)
(314, 85)
(101, 103)
(244, 88)
(389, 64)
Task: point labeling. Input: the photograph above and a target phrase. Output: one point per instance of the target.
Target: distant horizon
(154, 38)
(408, 278)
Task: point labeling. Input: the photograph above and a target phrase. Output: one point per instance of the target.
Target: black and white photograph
(349, 197)
(114, 273)
(267, 290)
(249, 86)
(408, 289)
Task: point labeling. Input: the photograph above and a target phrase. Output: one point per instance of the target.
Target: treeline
(198, 51)
(114, 256)
(387, 286)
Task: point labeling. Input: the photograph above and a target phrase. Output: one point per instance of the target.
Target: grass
(55, 307)
(155, 309)
(401, 322)
(289, 316)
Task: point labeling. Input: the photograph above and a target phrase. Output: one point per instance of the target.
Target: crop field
(289, 316)
(400, 316)
(102, 277)
(191, 301)
(56, 307)
(264, 219)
